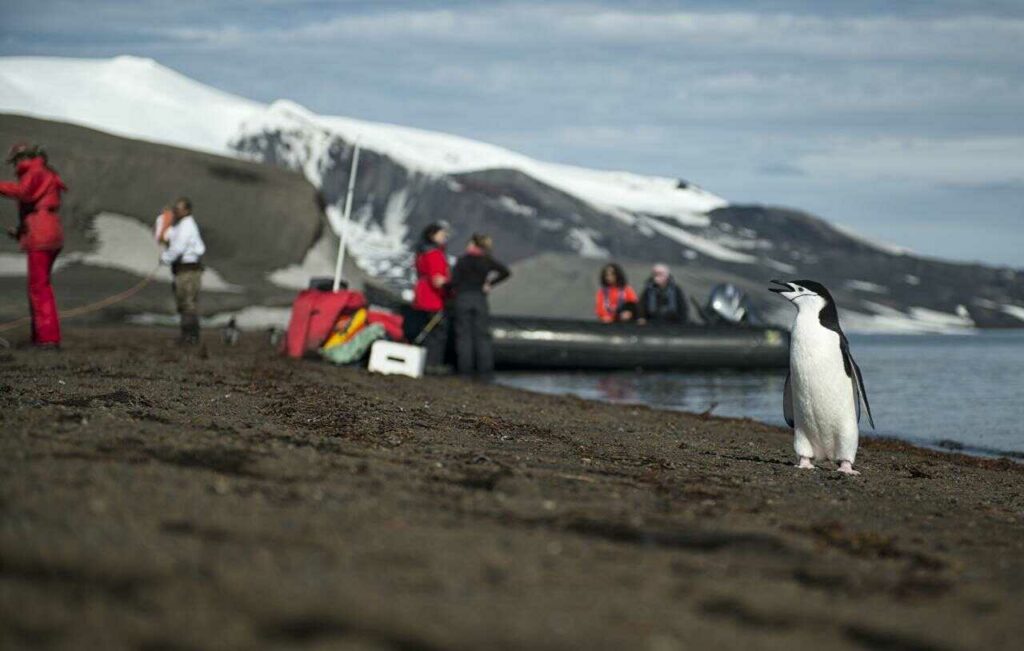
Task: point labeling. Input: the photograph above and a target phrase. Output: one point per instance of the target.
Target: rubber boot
(189, 330)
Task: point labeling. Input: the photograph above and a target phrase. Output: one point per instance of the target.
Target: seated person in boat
(615, 300)
(662, 301)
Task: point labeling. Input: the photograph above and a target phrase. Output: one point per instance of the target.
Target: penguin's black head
(796, 289)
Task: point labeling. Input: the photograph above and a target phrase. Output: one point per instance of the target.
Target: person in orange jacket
(162, 225)
(615, 300)
(39, 234)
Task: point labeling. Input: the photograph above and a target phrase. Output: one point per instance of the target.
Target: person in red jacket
(39, 233)
(615, 300)
(432, 270)
(430, 294)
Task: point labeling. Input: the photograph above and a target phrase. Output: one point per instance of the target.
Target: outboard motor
(728, 305)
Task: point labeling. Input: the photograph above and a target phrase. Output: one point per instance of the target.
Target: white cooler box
(389, 358)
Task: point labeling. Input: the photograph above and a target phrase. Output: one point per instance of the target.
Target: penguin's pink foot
(846, 468)
(805, 463)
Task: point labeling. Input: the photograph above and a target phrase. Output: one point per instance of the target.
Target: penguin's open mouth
(786, 287)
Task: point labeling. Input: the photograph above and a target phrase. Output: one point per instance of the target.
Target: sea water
(961, 392)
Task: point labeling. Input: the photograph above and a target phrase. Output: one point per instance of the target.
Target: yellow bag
(346, 328)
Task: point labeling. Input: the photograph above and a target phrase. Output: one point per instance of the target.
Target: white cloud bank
(905, 37)
(954, 161)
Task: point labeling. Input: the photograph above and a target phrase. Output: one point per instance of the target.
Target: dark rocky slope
(255, 218)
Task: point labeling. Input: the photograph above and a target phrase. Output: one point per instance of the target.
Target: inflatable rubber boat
(725, 340)
(534, 343)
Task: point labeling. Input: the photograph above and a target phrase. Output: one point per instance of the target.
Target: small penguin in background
(824, 388)
(231, 333)
(274, 336)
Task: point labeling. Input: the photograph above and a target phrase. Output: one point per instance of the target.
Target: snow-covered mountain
(409, 177)
(139, 98)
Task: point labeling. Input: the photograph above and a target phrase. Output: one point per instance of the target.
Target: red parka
(430, 263)
(37, 191)
(609, 300)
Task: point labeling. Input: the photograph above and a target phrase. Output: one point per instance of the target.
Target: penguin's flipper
(857, 380)
(787, 402)
(858, 388)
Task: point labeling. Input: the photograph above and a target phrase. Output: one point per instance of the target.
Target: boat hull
(584, 345)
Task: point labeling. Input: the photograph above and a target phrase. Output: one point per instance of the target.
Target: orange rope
(91, 307)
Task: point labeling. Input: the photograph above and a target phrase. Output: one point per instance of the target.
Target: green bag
(355, 348)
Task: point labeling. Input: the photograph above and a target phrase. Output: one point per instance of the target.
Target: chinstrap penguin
(230, 334)
(824, 388)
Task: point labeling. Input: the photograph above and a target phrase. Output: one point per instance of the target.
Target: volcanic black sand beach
(154, 498)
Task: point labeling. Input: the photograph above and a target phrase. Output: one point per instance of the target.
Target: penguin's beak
(785, 287)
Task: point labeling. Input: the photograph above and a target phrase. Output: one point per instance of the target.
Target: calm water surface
(947, 391)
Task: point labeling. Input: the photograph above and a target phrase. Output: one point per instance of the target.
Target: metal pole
(343, 236)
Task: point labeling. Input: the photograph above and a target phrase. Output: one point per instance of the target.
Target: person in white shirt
(184, 253)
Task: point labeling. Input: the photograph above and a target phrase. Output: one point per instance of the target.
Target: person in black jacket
(475, 273)
(662, 301)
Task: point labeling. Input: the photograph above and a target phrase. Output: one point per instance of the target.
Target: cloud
(887, 37)
(946, 161)
(602, 136)
(698, 65)
(781, 169)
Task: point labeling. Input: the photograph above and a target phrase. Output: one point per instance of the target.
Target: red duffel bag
(314, 314)
(392, 323)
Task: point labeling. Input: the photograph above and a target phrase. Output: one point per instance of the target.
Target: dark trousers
(473, 353)
(435, 341)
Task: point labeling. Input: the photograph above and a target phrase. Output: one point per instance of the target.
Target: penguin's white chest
(822, 393)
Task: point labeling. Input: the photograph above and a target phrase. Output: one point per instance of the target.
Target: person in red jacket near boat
(615, 300)
(430, 295)
(39, 234)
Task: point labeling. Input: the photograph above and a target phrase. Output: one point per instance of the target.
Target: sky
(903, 119)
